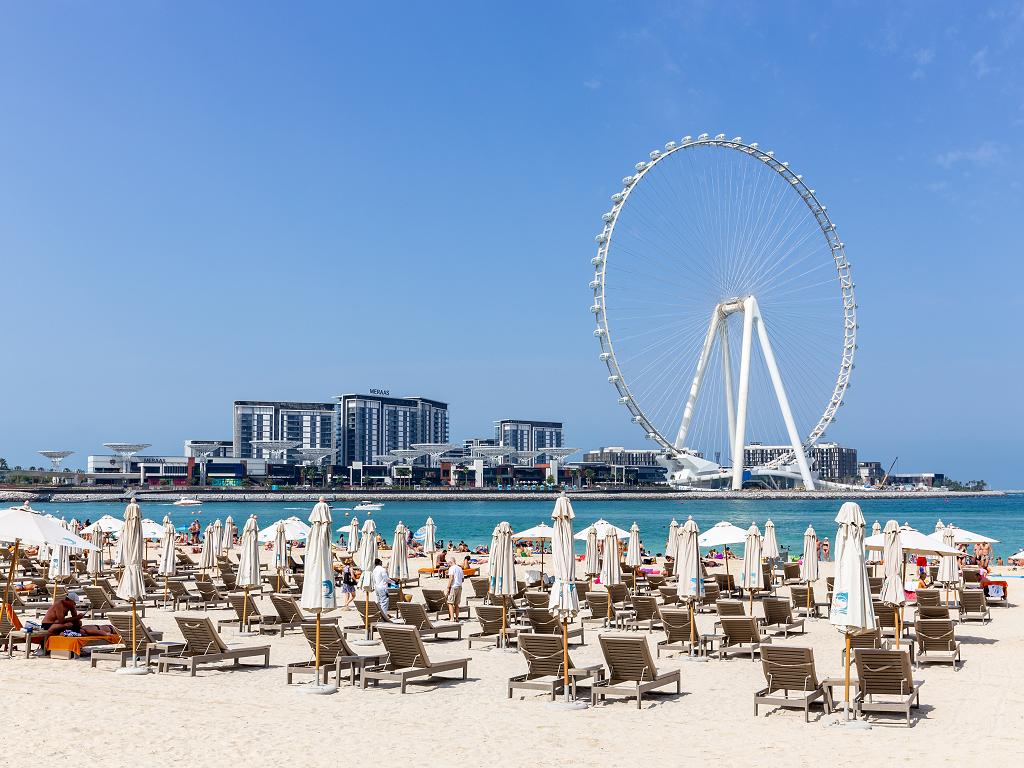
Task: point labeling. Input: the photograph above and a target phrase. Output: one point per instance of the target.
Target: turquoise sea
(999, 516)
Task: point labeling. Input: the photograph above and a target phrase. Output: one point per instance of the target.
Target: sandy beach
(65, 710)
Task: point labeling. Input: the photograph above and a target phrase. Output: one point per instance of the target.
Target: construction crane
(886, 476)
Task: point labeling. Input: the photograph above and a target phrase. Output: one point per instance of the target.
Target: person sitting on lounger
(63, 615)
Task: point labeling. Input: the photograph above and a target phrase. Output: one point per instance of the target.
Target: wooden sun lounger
(204, 646)
(291, 616)
(545, 659)
(739, 634)
(335, 653)
(798, 595)
(102, 603)
(631, 670)
(489, 617)
(407, 658)
(542, 622)
(973, 606)
(251, 611)
(436, 602)
(778, 616)
(416, 615)
(936, 642)
(885, 674)
(676, 623)
(148, 644)
(791, 671)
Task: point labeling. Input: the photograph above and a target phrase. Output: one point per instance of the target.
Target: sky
(204, 202)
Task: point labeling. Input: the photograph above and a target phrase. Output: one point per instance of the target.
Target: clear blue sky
(202, 202)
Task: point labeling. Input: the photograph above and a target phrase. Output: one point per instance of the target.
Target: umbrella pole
(846, 699)
(135, 650)
(317, 662)
(366, 613)
(10, 580)
(565, 655)
(896, 612)
(502, 642)
(693, 629)
(751, 602)
(245, 604)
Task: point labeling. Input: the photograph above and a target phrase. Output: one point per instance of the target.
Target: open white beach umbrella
(963, 536)
(542, 532)
(914, 542)
(690, 584)
(206, 557)
(217, 536)
(398, 566)
(591, 558)
(131, 586)
(949, 565)
(152, 530)
(1016, 556)
(852, 612)
(721, 534)
(752, 577)
(611, 570)
(809, 561)
(25, 525)
(770, 544)
(294, 530)
(563, 601)
(672, 543)
(603, 527)
(228, 536)
(107, 524)
(318, 585)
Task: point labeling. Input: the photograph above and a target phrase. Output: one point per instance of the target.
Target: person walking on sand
(456, 575)
(348, 584)
(380, 580)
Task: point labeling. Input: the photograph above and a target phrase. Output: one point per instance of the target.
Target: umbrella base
(318, 689)
(848, 725)
(692, 658)
(133, 670)
(248, 633)
(363, 641)
(567, 705)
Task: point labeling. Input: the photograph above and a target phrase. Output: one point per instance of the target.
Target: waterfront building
(367, 427)
(621, 457)
(225, 449)
(528, 436)
(311, 425)
(833, 462)
(926, 479)
(871, 472)
(170, 470)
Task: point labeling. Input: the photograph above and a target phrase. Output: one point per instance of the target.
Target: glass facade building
(370, 426)
(525, 435)
(309, 424)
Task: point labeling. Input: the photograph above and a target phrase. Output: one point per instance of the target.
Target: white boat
(368, 506)
(188, 503)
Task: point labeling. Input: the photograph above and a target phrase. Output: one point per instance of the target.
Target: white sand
(63, 709)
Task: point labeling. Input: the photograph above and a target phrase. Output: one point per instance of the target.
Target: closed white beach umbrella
(430, 537)
(876, 528)
(206, 556)
(501, 568)
(74, 526)
(563, 602)
(398, 567)
(318, 586)
(365, 559)
(228, 537)
(939, 526)
(949, 565)
(131, 586)
(672, 543)
(852, 612)
(690, 584)
(60, 563)
(249, 565)
(633, 550)
(168, 564)
(892, 584)
(217, 534)
(809, 560)
(770, 545)
(611, 570)
(280, 551)
(752, 577)
(119, 550)
(353, 535)
(591, 557)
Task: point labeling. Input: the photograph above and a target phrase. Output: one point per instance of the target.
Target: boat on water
(183, 502)
(368, 506)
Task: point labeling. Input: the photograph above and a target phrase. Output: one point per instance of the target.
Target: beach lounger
(291, 616)
(791, 574)
(619, 594)
(790, 671)
(148, 644)
(869, 640)
(974, 606)
(542, 622)
(676, 623)
(335, 653)
(416, 615)
(407, 658)
(885, 618)
(364, 607)
(799, 597)
(536, 599)
(936, 642)
(212, 598)
(971, 575)
(489, 617)
(885, 683)
(669, 596)
(645, 611)
(929, 597)
(11, 637)
(631, 670)
(929, 612)
(778, 616)
(875, 584)
(545, 661)
(479, 588)
(739, 634)
(203, 645)
(655, 582)
(180, 595)
(436, 602)
(712, 594)
(244, 605)
(726, 583)
(102, 602)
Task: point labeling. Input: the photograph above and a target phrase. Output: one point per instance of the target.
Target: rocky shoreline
(57, 497)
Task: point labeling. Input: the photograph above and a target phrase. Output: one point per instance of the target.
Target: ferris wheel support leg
(741, 399)
(730, 405)
(698, 378)
(780, 395)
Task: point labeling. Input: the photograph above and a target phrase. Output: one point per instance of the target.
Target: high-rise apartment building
(525, 435)
(311, 425)
(832, 461)
(370, 426)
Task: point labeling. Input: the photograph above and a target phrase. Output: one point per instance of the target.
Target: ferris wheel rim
(825, 224)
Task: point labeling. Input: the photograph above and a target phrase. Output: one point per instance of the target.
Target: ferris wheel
(724, 307)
